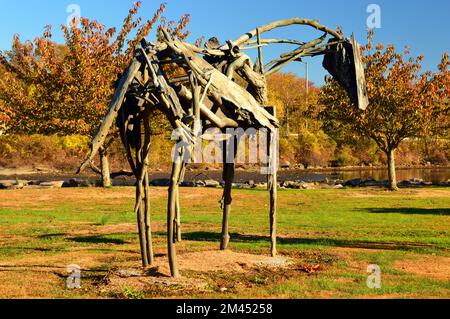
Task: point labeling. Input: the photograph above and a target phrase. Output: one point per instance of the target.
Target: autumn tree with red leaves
(404, 103)
(49, 88)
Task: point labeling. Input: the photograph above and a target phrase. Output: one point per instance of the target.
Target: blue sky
(422, 25)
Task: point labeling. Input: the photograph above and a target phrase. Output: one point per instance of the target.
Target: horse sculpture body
(205, 93)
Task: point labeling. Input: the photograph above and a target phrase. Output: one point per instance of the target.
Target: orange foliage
(48, 88)
(404, 103)
(288, 92)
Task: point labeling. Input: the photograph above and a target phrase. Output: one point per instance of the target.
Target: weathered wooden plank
(110, 118)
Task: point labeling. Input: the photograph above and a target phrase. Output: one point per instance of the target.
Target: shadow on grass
(95, 239)
(98, 240)
(411, 211)
(330, 242)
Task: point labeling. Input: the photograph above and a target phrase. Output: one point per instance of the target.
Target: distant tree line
(48, 88)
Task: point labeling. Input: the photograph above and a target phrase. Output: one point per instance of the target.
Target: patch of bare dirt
(431, 266)
(416, 193)
(45, 276)
(426, 193)
(16, 283)
(229, 261)
(157, 278)
(12, 239)
(86, 260)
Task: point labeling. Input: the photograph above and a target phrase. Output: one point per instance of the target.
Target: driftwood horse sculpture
(204, 92)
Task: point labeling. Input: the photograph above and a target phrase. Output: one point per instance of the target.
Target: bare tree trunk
(391, 170)
(106, 174)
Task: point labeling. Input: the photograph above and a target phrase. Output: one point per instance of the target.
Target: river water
(435, 175)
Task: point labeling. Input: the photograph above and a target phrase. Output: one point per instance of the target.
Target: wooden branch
(147, 222)
(254, 47)
(238, 64)
(197, 50)
(178, 79)
(110, 118)
(150, 67)
(274, 41)
(205, 92)
(171, 213)
(260, 52)
(142, 156)
(166, 93)
(244, 39)
(257, 84)
(220, 122)
(295, 55)
(316, 46)
(123, 123)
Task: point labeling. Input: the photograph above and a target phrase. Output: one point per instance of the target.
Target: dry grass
(331, 236)
(427, 267)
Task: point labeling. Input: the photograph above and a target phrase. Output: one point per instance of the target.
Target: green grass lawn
(406, 233)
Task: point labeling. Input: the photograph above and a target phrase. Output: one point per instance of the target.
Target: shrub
(315, 148)
(345, 157)
(62, 153)
(76, 143)
(289, 150)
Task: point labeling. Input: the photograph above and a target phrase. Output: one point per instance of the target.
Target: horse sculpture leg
(177, 170)
(273, 189)
(143, 191)
(148, 225)
(177, 236)
(226, 204)
(229, 155)
(142, 235)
